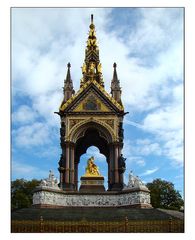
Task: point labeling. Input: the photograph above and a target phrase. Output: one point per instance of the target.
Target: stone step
(104, 214)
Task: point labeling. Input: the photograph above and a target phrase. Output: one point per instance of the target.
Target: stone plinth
(135, 198)
(92, 184)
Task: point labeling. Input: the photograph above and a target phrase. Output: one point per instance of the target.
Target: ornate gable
(91, 103)
(91, 98)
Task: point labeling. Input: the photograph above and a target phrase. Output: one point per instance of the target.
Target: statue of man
(99, 67)
(91, 168)
(84, 68)
(92, 67)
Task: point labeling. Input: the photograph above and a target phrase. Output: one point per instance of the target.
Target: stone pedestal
(53, 198)
(92, 184)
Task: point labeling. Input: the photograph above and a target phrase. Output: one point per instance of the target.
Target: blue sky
(146, 44)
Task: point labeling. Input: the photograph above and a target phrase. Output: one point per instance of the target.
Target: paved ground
(104, 214)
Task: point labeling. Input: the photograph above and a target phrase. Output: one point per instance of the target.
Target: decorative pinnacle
(115, 77)
(68, 77)
(92, 18)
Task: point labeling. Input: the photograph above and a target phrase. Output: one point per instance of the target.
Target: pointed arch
(104, 130)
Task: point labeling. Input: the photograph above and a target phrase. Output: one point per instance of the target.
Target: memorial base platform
(91, 184)
(57, 198)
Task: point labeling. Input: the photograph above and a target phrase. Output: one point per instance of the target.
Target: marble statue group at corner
(50, 182)
(134, 182)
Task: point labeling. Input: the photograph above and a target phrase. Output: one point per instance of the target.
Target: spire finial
(68, 85)
(92, 26)
(91, 68)
(115, 86)
(115, 77)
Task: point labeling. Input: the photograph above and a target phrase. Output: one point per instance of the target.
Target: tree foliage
(22, 192)
(164, 195)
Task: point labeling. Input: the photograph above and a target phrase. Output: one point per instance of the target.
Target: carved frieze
(60, 199)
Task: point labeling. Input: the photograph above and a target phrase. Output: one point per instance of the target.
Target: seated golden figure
(91, 168)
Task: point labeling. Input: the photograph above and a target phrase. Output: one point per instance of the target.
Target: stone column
(109, 175)
(116, 154)
(67, 168)
(72, 160)
(62, 167)
(120, 174)
(61, 179)
(111, 166)
(76, 176)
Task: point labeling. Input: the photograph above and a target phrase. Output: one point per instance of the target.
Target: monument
(92, 117)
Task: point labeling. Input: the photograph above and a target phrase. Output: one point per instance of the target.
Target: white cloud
(27, 171)
(132, 123)
(159, 39)
(134, 150)
(149, 171)
(146, 147)
(94, 151)
(156, 29)
(168, 118)
(48, 153)
(137, 160)
(24, 114)
(167, 126)
(36, 134)
(46, 104)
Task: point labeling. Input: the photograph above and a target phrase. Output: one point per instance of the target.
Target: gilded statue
(99, 67)
(91, 42)
(88, 43)
(84, 68)
(91, 33)
(91, 168)
(92, 67)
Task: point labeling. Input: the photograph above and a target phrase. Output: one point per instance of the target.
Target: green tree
(164, 195)
(22, 192)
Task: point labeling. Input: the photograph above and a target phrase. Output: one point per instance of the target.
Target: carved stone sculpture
(135, 181)
(50, 182)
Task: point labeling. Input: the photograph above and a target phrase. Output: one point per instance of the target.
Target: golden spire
(92, 69)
